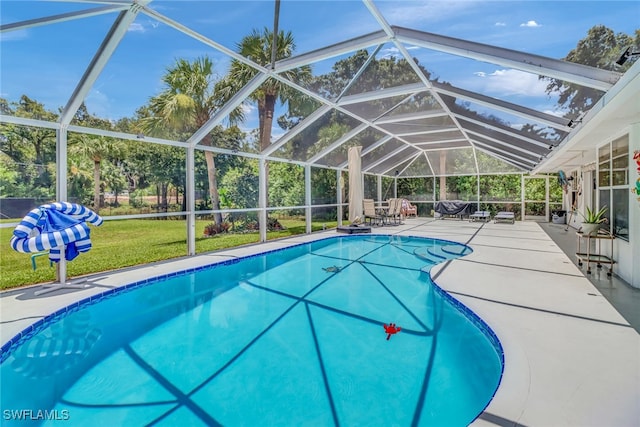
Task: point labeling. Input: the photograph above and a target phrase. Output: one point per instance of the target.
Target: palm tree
(257, 47)
(185, 105)
(96, 148)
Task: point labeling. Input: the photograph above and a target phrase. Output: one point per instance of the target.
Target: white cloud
(395, 52)
(143, 27)
(531, 24)
(557, 113)
(248, 109)
(136, 27)
(389, 52)
(511, 82)
(500, 24)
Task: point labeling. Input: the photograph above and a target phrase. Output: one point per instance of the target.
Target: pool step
(424, 254)
(449, 252)
(437, 254)
(456, 250)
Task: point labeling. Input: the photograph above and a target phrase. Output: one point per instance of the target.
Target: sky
(46, 62)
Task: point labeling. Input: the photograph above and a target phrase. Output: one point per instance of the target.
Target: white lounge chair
(483, 216)
(505, 217)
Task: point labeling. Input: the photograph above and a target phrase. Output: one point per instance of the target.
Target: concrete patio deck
(570, 358)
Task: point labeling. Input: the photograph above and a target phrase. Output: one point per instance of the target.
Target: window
(613, 185)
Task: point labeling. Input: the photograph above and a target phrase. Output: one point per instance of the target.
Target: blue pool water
(289, 338)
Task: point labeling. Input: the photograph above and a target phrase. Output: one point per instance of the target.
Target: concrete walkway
(624, 297)
(570, 358)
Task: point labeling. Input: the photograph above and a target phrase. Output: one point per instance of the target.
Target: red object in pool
(391, 329)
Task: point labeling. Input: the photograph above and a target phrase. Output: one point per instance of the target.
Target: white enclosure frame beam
(409, 89)
(31, 23)
(504, 106)
(429, 132)
(306, 122)
(401, 161)
(369, 149)
(483, 125)
(527, 163)
(228, 107)
(343, 139)
(501, 147)
(583, 75)
(391, 32)
(352, 45)
(410, 117)
(385, 158)
(99, 61)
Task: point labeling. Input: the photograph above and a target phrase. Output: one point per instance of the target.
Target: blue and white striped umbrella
(53, 227)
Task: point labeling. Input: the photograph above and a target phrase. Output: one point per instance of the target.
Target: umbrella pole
(61, 276)
(62, 271)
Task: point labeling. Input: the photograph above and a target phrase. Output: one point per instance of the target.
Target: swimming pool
(290, 337)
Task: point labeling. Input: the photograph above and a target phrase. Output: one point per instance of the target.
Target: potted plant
(592, 220)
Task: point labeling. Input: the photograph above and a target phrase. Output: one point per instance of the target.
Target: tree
(185, 105)
(257, 47)
(286, 184)
(115, 179)
(9, 177)
(600, 48)
(79, 187)
(33, 149)
(96, 148)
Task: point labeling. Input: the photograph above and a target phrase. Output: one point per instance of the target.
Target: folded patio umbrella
(55, 227)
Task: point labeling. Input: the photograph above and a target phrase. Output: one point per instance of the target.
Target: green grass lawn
(125, 243)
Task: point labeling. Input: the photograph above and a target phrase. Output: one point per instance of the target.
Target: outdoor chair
(483, 216)
(370, 213)
(504, 217)
(395, 210)
(408, 209)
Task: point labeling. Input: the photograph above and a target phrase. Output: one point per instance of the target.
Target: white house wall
(634, 206)
(626, 254)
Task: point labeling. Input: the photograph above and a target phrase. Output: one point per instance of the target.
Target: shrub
(212, 229)
(274, 225)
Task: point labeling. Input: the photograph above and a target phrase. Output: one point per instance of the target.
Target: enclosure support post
(379, 188)
(433, 196)
(478, 191)
(339, 189)
(262, 198)
(61, 190)
(190, 194)
(522, 212)
(546, 198)
(307, 197)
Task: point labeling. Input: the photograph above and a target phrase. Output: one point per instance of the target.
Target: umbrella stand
(61, 276)
(59, 228)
